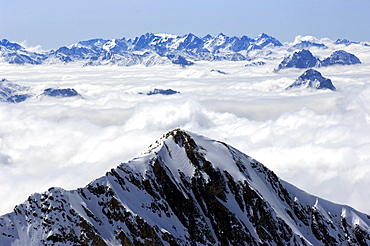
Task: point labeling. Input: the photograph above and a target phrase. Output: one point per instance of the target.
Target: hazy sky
(52, 24)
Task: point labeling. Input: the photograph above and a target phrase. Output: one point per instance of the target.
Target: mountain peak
(341, 57)
(10, 45)
(185, 190)
(300, 59)
(312, 79)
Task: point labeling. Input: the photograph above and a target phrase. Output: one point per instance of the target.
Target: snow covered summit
(184, 190)
(312, 79)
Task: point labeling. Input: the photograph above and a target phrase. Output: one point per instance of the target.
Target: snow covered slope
(184, 190)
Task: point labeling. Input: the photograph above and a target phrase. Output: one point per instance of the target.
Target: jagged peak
(166, 206)
(312, 78)
(11, 45)
(176, 133)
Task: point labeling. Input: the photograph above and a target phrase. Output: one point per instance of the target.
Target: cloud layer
(318, 141)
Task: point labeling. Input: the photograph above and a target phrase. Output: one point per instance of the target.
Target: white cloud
(318, 141)
(37, 48)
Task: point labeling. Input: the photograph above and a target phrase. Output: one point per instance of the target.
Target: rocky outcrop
(162, 92)
(57, 92)
(184, 190)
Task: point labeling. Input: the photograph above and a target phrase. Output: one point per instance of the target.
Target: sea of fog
(316, 140)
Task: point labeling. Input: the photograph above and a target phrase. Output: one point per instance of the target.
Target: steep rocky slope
(184, 190)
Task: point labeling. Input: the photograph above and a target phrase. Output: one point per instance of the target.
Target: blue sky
(54, 23)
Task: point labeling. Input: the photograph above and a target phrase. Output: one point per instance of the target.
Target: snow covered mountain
(305, 59)
(299, 59)
(184, 190)
(148, 49)
(14, 53)
(154, 49)
(312, 79)
(14, 93)
(340, 57)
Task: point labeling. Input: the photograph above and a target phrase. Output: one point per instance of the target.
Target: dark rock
(162, 92)
(259, 63)
(218, 71)
(60, 92)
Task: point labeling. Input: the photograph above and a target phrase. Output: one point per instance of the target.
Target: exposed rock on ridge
(185, 190)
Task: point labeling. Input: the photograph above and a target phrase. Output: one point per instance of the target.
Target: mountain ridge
(148, 49)
(155, 49)
(184, 190)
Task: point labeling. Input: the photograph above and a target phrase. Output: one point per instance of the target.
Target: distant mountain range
(153, 49)
(148, 49)
(184, 190)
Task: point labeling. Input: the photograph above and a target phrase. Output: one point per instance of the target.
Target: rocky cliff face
(185, 190)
